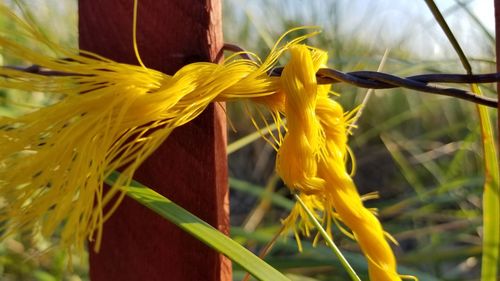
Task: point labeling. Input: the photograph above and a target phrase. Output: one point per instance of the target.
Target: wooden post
(497, 36)
(189, 168)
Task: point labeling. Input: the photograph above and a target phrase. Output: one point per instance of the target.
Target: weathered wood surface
(190, 167)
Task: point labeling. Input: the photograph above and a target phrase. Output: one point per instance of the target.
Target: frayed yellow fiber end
(54, 160)
(311, 161)
(109, 116)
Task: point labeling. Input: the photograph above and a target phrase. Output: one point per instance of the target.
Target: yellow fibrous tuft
(311, 161)
(109, 116)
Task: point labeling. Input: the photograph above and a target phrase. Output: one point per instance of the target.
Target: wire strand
(420, 83)
(371, 80)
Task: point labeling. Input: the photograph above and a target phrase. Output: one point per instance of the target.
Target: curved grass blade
(200, 230)
(259, 192)
(491, 198)
(491, 195)
(449, 34)
(329, 241)
(314, 256)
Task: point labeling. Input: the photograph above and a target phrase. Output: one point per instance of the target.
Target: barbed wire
(421, 83)
(370, 80)
(380, 80)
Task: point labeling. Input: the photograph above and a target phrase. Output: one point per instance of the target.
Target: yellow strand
(315, 147)
(134, 34)
(67, 149)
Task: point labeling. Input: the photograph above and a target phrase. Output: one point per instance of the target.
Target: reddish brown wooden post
(190, 168)
(497, 35)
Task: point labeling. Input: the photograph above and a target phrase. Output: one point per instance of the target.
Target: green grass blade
(408, 172)
(444, 26)
(200, 230)
(491, 194)
(259, 191)
(330, 242)
(314, 256)
(491, 198)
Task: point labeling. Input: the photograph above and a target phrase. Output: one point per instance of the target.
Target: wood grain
(190, 167)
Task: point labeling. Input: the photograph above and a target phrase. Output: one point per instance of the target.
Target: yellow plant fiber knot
(55, 158)
(311, 161)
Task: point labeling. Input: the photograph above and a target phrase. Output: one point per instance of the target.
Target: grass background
(422, 153)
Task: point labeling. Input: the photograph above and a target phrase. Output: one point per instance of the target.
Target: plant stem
(329, 241)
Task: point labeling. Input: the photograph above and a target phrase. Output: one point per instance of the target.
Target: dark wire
(421, 83)
(375, 80)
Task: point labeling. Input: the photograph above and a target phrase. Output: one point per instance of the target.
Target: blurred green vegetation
(422, 153)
